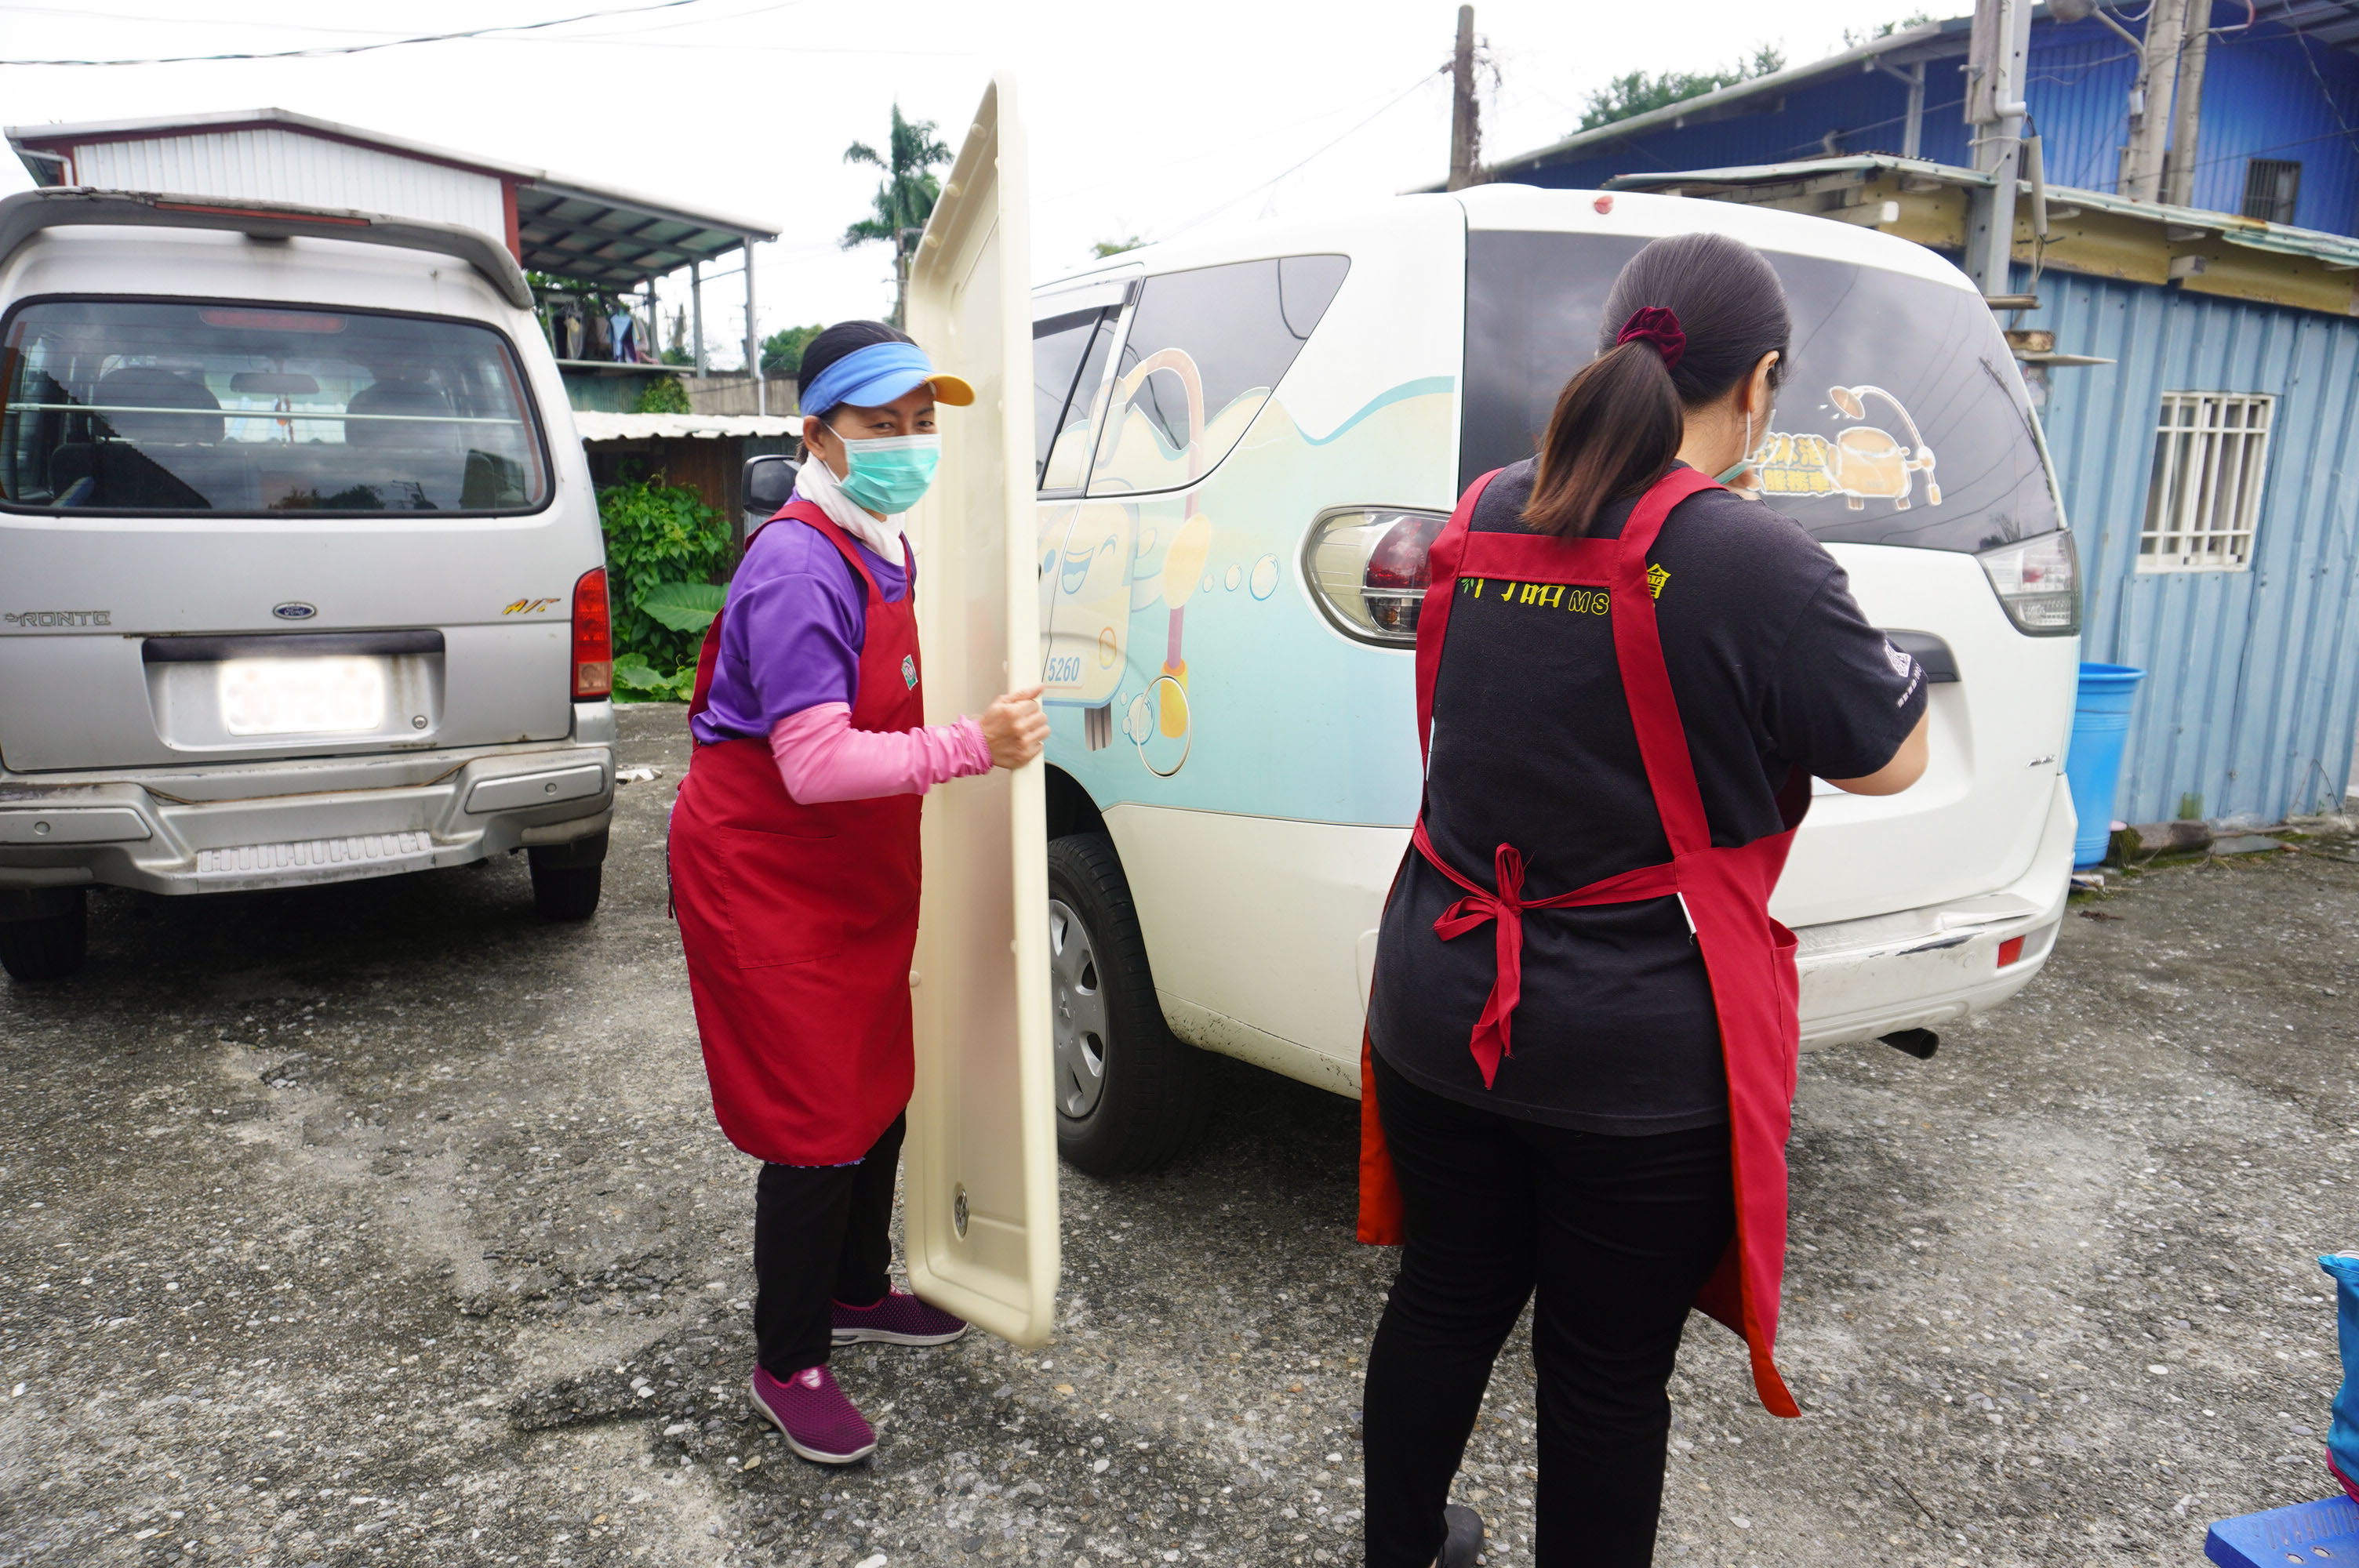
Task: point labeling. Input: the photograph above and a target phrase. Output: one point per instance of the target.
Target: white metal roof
(573, 227)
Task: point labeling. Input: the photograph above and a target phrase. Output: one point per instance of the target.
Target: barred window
(2210, 451)
(2271, 185)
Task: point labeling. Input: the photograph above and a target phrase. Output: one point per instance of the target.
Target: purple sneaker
(899, 1318)
(818, 1422)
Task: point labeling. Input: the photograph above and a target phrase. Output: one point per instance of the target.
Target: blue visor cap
(875, 375)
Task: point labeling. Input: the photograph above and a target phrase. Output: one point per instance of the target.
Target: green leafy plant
(685, 606)
(661, 539)
(664, 395)
(1638, 92)
(637, 680)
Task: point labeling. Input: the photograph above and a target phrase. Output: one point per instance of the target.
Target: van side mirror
(768, 484)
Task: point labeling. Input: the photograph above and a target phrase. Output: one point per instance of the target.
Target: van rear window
(1901, 421)
(148, 406)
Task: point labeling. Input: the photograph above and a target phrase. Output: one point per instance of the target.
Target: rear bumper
(294, 823)
(1921, 968)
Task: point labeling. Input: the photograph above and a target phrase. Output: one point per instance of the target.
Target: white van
(300, 572)
(1246, 445)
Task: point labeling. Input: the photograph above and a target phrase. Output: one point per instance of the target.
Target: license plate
(303, 697)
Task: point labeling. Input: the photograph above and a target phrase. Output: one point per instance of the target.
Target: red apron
(1749, 955)
(798, 921)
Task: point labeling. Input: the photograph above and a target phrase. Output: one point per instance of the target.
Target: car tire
(1130, 1096)
(47, 947)
(566, 893)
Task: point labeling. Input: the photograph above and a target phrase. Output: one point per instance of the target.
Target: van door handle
(1929, 652)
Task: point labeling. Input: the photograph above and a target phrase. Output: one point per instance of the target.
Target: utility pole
(753, 337)
(2187, 108)
(1465, 121)
(2150, 118)
(1994, 108)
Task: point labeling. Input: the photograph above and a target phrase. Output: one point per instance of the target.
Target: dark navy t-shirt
(1773, 668)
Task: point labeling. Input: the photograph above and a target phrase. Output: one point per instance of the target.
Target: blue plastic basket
(2313, 1534)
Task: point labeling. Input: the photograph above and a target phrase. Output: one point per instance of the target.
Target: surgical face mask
(889, 473)
(1742, 463)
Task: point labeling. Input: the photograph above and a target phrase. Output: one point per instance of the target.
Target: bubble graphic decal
(1264, 577)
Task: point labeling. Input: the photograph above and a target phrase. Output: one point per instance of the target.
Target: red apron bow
(1504, 902)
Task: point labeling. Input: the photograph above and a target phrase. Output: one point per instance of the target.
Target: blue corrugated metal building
(2204, 457)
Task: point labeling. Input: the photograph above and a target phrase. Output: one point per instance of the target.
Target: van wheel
(566, 893)
(1130, 1096)
(49, 946)
(565, 877)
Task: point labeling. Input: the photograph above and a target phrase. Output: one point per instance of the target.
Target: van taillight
(2010, 952)
(1368, 570)
(2037, 581)
(594, 637)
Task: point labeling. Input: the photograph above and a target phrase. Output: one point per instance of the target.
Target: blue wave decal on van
(1424, 386)
(1185, 662)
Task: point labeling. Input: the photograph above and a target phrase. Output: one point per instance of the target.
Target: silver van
(301, 573)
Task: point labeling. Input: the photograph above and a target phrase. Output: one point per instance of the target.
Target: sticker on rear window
(1859, 462)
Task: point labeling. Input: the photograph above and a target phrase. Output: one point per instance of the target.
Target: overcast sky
(1145, 119)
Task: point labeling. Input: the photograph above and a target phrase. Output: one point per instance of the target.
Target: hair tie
(1656, 324)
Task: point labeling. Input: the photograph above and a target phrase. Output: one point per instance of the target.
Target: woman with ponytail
(1582, 1032)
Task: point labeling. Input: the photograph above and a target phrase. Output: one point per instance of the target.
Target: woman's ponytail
(1688, 317)
(1615, 430)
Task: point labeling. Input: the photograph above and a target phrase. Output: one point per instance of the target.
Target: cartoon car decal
(1861, 463)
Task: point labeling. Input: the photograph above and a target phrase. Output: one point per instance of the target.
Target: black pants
(1617, 1234)
(821, 1234)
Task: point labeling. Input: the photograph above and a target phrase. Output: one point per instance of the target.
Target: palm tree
(905, 199)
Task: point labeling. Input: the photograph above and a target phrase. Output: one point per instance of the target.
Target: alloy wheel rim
(1077, 1009)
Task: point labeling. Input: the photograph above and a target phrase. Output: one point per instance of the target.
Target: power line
(324, 50)
(1389, 104)
(636, 38)
(1258, 138)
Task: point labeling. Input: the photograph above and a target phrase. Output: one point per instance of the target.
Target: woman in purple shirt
(795, 874)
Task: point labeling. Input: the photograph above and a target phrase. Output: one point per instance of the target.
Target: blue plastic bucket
(2100, 725)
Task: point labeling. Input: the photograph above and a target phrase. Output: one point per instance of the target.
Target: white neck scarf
(817, 483)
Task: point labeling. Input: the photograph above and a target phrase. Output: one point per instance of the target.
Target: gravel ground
(382, 1223)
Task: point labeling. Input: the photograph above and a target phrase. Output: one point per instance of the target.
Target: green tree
(1105, 248)
(1638, 92)
(782, 350)
(905, 198)
(1852, 40)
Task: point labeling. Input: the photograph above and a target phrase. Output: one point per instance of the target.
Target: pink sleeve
(822, 757)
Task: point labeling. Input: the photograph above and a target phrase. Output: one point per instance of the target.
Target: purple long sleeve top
(792, 635)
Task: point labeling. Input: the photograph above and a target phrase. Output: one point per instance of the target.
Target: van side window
(1068, 355)
(155, 405)
(1205, 351)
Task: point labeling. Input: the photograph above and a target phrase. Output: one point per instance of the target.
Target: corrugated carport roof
(596, 233)
(605, 236)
